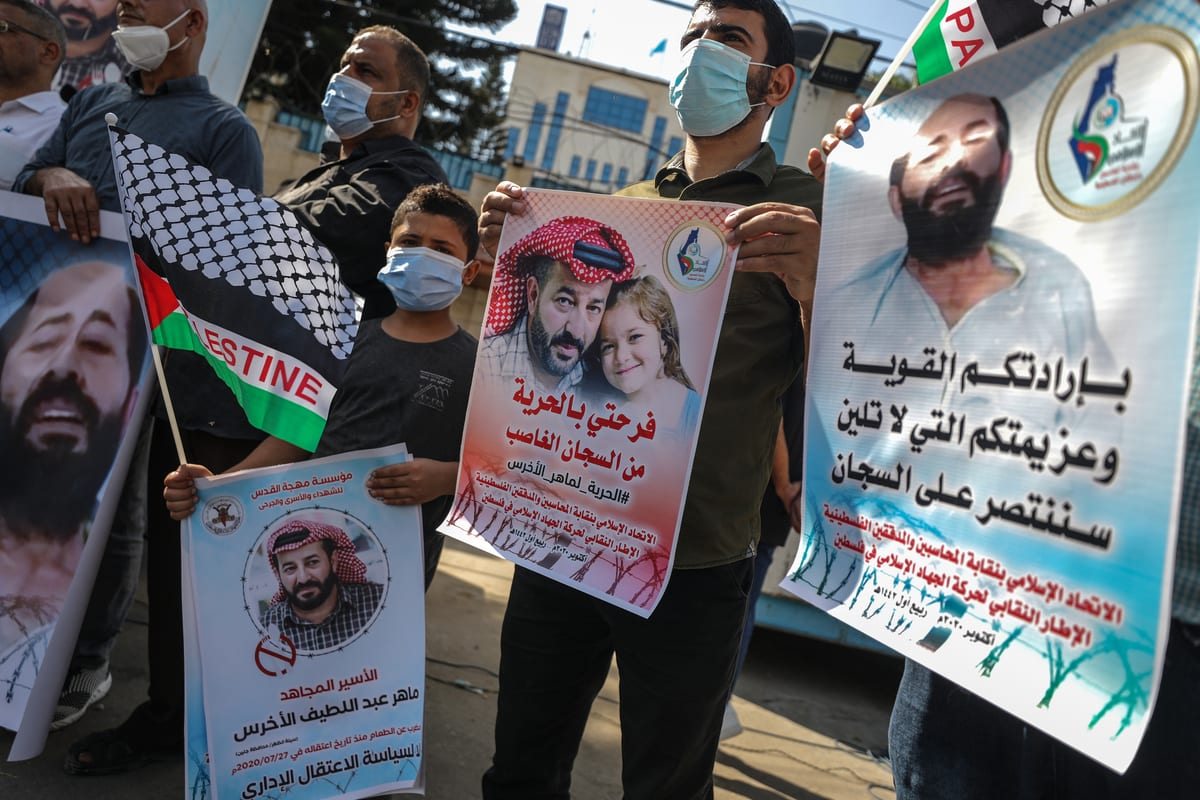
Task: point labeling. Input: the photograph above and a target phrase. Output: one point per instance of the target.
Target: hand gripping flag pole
(888, 73)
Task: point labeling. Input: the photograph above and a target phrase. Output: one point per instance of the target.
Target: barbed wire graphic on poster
(596, 354)
(995, 427)
(321, 643)
(73, 384)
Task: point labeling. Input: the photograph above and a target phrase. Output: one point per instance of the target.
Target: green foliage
(900, 82)
(303, 41)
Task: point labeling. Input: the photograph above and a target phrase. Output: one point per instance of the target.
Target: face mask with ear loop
(421, 279)
(145, 47)
(709, 92)
(345, 106)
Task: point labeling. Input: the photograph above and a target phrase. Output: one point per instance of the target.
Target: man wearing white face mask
(677, 666)
(163, 40)
(167, 102)
(373, 104)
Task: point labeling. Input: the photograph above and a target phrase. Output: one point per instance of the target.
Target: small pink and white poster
(593, 366)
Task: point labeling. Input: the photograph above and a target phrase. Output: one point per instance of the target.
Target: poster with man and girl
(595, 358)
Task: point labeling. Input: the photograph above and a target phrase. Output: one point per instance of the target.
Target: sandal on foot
(136, 742)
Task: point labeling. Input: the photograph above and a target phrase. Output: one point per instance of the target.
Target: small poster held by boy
(309, 674)
(593, 366)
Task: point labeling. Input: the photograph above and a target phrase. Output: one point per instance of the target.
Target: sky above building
(626, 33)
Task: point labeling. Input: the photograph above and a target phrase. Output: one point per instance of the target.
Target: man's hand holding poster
(73, 378)
(999, 369)
(308, 618)
(596, 355)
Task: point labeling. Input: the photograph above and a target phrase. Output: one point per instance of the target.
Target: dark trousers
(120, 564)
(163, 569)
(676, 673)
(948, 744)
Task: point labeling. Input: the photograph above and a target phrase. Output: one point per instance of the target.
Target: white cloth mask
(145, 47)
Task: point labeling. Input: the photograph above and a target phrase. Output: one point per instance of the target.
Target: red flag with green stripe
(963, 32)
(238, 280)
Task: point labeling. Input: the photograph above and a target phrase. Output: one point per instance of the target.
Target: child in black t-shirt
(408, 376)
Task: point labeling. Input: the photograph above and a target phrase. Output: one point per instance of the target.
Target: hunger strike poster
(992, 465)
(73, 391)
(596, 354)
(306, 634)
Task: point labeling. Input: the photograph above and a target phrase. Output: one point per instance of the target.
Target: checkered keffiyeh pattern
(106, 65)
(208, 237)
(568, 240)
(356, 605)
(349, 569)
(1058, 11)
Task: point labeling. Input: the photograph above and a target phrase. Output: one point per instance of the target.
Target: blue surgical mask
(709, 92)
(421, 279)
(345, 106)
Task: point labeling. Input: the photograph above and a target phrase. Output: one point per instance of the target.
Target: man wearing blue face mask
(167, 102)
(677, 666)
(373, 104)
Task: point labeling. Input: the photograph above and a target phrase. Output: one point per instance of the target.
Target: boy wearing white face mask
(409, 375)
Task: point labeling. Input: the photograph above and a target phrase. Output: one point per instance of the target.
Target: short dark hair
(135, 332)
(440, 200)
(411, 61)
(538, 266)
(43, 23)
(781, 46)
(1003, 134)
(296, 537)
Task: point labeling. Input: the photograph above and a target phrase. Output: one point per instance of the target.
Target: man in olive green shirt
(677, 666)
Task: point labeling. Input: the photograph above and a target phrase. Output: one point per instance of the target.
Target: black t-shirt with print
(396, 391)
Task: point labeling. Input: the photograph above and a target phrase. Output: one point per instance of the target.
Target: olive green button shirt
(758, 354)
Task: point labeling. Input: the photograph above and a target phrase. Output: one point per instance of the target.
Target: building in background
(582, 125)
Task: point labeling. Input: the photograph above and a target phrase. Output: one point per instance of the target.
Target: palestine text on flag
(965, 31)
(246, 286)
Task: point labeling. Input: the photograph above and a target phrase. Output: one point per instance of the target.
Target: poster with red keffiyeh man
(304, 634)
(593, 366)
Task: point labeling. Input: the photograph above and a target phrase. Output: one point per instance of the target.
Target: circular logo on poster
(315, 580)
(222, 515)
(694, 255)
(1118, 122)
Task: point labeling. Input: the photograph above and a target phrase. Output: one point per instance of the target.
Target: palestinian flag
(965, 31)
(237, 279)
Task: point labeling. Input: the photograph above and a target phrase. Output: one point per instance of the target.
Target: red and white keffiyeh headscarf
(594, 252)
(349, 568)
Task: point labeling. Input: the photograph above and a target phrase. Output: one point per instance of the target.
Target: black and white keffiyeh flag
(237, 278)
(966, 31)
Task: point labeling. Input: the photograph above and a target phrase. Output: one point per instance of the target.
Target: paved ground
(813, 715)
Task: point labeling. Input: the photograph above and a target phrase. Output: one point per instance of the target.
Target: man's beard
(541, 344)
(959, 231)
(51, 489)
(756, 92)
(93, 29)
(325, 588)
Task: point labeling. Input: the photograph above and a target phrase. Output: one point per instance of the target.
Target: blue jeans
(948, 744)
